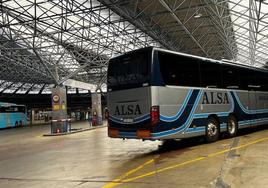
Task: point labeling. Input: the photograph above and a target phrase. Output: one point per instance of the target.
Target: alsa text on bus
(215, 98)
(127, 110)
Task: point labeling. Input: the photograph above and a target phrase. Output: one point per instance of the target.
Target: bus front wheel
(231, 126)
(212, 130)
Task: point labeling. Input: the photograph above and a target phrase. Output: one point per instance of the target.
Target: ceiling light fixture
(198, 15)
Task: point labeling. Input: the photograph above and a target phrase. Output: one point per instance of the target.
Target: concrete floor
(91, 159)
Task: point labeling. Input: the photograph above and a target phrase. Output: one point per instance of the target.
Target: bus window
(230, 77)
(248, 79)
(11, 109)
(210, 75)
(129, 71)
(179, 70)
(262, 81)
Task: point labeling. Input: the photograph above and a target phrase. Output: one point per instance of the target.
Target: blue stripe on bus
(135, 120)
(142, 118)
(253, 121)
(181, 110)
(245, 109)
(205, 115)
(185, 124)
(164, 126)
(196, 129)
(203, 128)
(244, 114)
(235, 107)
(223, 125)
(192, 116)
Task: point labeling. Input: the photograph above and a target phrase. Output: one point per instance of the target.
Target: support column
(59, 111)
(32, 117)
(96, 109)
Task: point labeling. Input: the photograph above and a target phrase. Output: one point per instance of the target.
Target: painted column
(59, 111)
(96, 111)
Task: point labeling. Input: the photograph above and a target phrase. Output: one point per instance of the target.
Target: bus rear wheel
(231, 127)
(212, 130)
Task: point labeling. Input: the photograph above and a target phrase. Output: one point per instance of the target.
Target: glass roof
(74, 36)
(250, 23)
(45, 43)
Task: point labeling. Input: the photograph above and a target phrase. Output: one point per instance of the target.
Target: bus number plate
(128, 120)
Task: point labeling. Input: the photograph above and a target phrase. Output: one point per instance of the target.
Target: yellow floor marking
(162, 170)
(136, 169)
(119, 181)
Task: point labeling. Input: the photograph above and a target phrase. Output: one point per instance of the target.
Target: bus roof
(212, 60)
(196, 57)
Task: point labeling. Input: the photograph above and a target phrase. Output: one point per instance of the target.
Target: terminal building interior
(56, 119)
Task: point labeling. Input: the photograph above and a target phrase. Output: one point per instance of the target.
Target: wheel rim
(231, 127)
(212, 129)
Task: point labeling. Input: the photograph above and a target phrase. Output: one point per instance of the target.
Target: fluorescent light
(198, 15)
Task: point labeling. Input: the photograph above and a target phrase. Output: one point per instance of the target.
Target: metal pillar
(96, 109)
(32, 117)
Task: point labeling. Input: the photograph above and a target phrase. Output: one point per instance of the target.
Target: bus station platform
(77, 127)
(91, 159)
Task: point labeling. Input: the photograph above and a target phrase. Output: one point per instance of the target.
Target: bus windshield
(12, 109)
(129, 71)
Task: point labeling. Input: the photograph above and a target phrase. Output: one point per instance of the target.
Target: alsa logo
(215, 98)
(127, 110)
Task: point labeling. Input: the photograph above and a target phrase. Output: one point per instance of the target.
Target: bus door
(7, 119)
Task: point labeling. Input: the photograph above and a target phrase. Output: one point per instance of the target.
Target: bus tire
(232, 126)
(212, 130)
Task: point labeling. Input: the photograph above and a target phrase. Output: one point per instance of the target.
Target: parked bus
(12, 115)
(158, 94)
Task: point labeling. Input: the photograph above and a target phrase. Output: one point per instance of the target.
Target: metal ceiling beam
(80, 36)
(173, 14)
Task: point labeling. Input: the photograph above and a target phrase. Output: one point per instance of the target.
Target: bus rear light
(154, 115)
(143, 134)
(114, 133)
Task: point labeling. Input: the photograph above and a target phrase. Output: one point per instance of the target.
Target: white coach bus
(156, 94)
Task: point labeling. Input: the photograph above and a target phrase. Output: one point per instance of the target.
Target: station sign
(55, 98)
